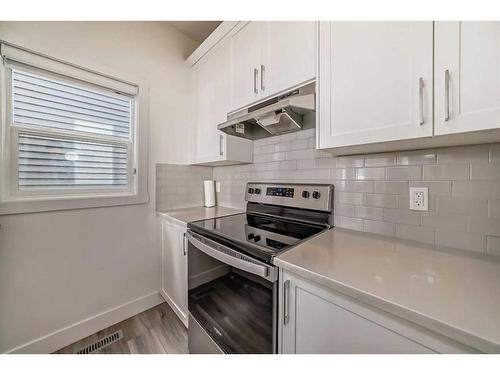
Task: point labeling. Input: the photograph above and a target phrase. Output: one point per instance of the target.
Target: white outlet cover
(419, 198)
(217, 186)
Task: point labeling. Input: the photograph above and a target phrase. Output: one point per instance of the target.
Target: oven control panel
(280, 192)
(307, 196)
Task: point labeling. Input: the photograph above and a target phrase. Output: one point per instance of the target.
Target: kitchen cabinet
(467, 76)
(290, 55)
(270, 57)
(375, 82)
(211, 81)
(314, 319)
(174, 266)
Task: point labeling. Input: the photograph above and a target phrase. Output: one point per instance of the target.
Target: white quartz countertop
(186, 215)
(449, 292)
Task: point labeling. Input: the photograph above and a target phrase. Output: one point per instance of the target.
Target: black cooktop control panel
(280, 192)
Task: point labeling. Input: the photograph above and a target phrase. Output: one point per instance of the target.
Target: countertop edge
(171, 214)
(434, 325)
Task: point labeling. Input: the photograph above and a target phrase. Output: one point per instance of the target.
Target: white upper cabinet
(270, 57)
(246, 57)
(212, 93)
(375, 82)
(289, 56)
(467, 76)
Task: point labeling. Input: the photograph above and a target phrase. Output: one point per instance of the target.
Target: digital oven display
(280, 192)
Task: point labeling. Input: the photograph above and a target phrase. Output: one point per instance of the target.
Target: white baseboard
(68, 335)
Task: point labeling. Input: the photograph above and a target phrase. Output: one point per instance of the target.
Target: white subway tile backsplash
(465, 154)
(391, 187)
(485, 171)
(404, 173)
(461, 240)
(370, 173)
(380, 200)
(350, 198)
(349, 223)
(493, 245)
(379, 160)
(446, 172)
(477, 189)
(394, 215)
(373, 213)
(415, 233)
(495, 153)
(360, 186)
(494, 208)
(419, 157)
(342, 173)
(371, 191)
(484, 225)
(379, 227)
(465, 206)
(444, 221)
(350, 161)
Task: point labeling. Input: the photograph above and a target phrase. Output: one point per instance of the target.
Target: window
(66, 137)
(69, 137)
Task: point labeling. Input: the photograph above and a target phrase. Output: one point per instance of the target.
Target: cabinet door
(321, 320)
(174, 267)
(212, 86)
(467, 69)
(246, 57)
(289, 57)
(375, 82)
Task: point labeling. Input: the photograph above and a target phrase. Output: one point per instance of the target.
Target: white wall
(60, 268)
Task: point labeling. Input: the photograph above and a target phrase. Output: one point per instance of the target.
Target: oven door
(232, 300)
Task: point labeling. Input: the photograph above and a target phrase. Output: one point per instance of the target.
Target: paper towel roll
(209, 193)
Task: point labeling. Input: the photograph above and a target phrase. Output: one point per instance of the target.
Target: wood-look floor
(155, 331)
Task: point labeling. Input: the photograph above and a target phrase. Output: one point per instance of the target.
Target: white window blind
(69, 137)
(40, 101)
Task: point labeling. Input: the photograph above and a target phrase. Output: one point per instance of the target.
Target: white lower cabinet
(314, 319)
(174, 266)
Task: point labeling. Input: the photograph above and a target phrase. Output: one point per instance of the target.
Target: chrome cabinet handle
(233, 258)
(286, 301)
(421, 100)
(255, 75)
(447, 95)
(221, 141)
(184, 252)
(262, 72)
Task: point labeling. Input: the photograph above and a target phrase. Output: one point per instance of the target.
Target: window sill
(69, 203)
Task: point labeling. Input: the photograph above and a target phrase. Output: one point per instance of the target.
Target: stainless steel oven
(232, 282)
(232, 297)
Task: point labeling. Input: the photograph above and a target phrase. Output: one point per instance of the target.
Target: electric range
(232, 282)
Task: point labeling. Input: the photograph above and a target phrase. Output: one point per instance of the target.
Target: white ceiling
(197, 30)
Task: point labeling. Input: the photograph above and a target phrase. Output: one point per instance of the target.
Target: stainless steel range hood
(279, 115)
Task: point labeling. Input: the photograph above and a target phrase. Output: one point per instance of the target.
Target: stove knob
(316, 195)
(257, 191)
(250, 236)
(250, 190)
(305, 194)
(257, 238)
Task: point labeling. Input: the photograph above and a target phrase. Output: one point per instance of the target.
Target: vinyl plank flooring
(154, 331)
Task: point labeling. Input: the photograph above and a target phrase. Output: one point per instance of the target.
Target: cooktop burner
(269, 234)
(278, 217)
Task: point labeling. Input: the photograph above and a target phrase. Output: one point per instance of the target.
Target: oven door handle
(242, 262)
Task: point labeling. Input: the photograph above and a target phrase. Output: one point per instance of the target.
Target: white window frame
(12, 200)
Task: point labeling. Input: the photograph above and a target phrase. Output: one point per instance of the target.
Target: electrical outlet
(419, 198)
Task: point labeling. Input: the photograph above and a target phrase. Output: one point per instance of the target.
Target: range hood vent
(279, 115)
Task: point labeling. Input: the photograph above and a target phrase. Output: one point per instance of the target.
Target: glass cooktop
(258, 235)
